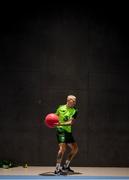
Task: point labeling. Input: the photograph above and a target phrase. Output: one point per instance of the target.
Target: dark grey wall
(45, 56)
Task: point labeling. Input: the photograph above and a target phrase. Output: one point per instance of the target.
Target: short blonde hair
(71, 97)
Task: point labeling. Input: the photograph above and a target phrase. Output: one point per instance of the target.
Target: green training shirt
(65, 114)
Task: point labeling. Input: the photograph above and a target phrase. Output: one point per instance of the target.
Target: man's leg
(62, 148)
(71, 155)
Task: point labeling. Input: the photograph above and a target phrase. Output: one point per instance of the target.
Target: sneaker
(67, 169)
(59, 172)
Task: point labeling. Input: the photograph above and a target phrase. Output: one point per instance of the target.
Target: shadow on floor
(52, 174)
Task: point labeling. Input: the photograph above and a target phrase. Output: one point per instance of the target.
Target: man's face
(71, 103)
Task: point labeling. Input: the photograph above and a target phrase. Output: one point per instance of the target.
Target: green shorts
(64, 137)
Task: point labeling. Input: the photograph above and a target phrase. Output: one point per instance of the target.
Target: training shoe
(59, 172)
(67, 169)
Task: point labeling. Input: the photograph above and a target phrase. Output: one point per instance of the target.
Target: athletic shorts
(64, 137)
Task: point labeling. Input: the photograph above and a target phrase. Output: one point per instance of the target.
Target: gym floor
(79, 171)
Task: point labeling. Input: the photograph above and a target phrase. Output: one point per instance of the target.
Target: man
(67, 114)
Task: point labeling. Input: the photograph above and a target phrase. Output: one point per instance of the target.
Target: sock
(58, 167)
(67, 163)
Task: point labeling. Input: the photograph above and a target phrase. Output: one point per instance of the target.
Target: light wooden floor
(83, 171)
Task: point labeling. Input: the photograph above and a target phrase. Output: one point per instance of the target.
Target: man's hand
(61, 124)
(70, 122)
(57, 124)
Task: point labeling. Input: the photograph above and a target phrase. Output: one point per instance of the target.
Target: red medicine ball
(51, 119)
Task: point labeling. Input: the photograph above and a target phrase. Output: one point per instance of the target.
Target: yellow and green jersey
(65, 113)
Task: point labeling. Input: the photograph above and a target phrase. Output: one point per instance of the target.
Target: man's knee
(75, 148)
(62, 148)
